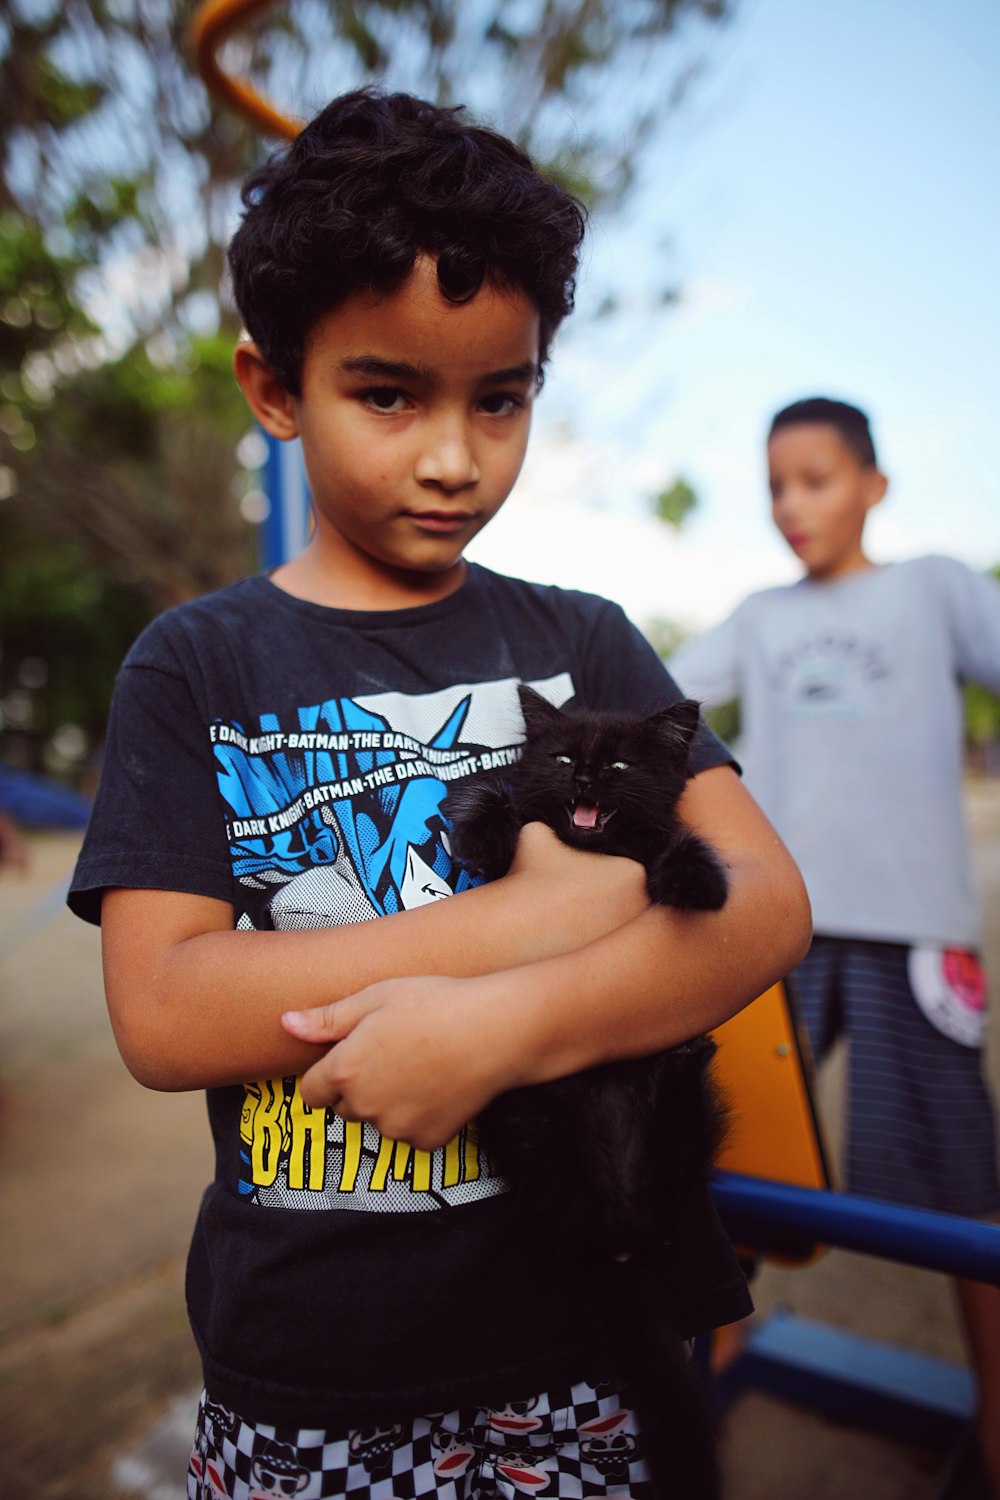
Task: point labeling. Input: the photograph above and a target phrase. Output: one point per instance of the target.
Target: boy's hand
(417, 1058)
(420, 1057)
(583, 895)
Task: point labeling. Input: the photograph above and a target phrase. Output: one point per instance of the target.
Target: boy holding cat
(850, 690)
(277, 758)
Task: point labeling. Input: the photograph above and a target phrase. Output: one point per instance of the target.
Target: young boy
(278, 753)
(850, 690)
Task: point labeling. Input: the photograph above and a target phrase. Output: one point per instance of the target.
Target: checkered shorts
(576, 1443)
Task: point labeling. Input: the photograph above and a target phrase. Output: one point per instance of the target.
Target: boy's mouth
(442, 521)
(588, 817)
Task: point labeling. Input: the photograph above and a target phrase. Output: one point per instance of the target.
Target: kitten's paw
(483, 827)
(689, 875)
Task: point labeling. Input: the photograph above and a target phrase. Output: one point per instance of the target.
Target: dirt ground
(99, 1185)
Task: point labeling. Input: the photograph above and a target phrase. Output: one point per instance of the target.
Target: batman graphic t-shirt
(293, 760)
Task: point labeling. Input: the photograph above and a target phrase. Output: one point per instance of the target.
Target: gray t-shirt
(852, 736)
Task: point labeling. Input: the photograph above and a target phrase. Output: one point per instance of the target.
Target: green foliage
(665, 636)
(724, 720)
(139, 464)
(674, 504)
(371, 54)
(64, 100)
(37, 293)
(93, 216)
(982, 715)
(64, 624)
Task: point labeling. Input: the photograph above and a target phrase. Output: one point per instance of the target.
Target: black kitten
(634, 1139)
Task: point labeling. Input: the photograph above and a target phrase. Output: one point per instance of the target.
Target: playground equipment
(774, 1193)
(213, 24)
(773, 1189)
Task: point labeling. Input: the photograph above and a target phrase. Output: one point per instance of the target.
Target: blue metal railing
(773, 1216)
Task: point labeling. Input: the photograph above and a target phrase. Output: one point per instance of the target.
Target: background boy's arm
(974, 616)
(419, 1057)
(195, 1004)
(708, 667)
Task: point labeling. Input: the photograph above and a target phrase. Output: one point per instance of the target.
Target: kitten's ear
(539, 713)
(678, 722)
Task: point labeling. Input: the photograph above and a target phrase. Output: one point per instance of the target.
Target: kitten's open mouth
(588, 817)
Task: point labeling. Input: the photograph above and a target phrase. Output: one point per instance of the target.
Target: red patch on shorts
(525, 1479)
(455, 1462)
(515, 1424)
(605, 1426)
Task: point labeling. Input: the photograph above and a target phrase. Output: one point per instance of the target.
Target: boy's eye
(620, 765)
(501, 403)
(564, 760)
(384, 398)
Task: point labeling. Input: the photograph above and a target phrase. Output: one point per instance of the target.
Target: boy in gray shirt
(850, 689)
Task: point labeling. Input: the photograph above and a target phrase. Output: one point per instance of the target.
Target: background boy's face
(414, 419)
(820, 496)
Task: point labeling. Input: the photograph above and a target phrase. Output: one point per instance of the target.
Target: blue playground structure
(286, 529)
(916, 1399)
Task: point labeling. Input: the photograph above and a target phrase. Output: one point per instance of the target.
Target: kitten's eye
(564, 760)
(619, 765)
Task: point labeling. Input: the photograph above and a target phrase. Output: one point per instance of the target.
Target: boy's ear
(267, 398)
(876, 487)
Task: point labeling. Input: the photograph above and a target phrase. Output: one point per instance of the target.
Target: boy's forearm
(419, 1057)
(206, 1011)
(661, 979)
(669, 975)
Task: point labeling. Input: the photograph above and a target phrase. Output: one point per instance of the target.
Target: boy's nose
(447, 459)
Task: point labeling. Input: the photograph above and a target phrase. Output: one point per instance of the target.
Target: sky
(830, 196)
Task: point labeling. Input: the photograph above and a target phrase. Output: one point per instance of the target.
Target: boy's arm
(974, 613)
(419, 1057)
(195, 1004)
(708, 667)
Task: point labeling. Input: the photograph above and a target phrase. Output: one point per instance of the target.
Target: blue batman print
(340, 817)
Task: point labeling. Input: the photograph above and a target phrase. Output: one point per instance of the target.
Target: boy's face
(820, 497)
(414, 419)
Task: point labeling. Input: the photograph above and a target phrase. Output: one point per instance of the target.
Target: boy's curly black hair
(370, 183)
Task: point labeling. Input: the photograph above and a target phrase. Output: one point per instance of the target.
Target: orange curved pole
(213, 22)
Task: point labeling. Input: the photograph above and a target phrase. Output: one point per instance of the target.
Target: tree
(119, 178)
(63, 623)
(118, 185)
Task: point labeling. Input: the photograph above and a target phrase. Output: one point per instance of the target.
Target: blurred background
(788, 198)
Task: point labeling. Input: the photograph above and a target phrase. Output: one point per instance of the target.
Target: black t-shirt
(292, 760)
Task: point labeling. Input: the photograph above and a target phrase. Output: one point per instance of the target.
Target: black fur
(634, 1139)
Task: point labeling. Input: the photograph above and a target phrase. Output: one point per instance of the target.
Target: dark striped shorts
(577, 1443)
(920, 1121)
